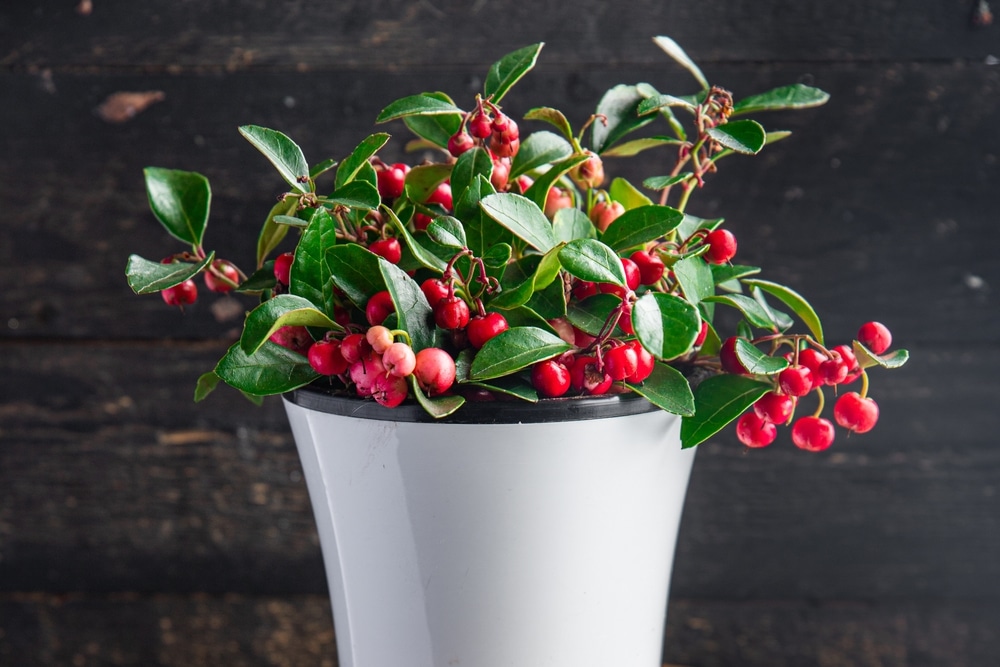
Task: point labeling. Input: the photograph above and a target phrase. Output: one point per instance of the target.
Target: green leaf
(589, 259)
(206, 385)
(782, 321)
(353, 163)
(539, 190)
(355, 272)
(548, 302)
(423, 179)
(570, 224)
(510, 386)
(180, 200)
(417, 105)
(543, 272)
(636, 146)
(868, 359)
(674, 50)
(283, 153)
(515, 349)
(447, 231)
(590, 314)
(662, 182)
(693, 223)
(742, 136)
(749, 308)
(437, 407)
(356, 194)
(539, 149)
(280, 311)
(426, 258)
(437, 128)
(627, 194)
(522, 217)
(481, 231)
(272, 369)
(796, 96)
(508, 70)
(147, 277)
(756, 362)
(796, 302)
(665, 324)
(639, 225)
(318, 170)
(290, 221)
(412, 310)
(659, 102)
(725, 272)
(310, 273)
(620, 106)
(719, 400)
(553, 117)
(468, 167)
(695, 278)
(260, 280)
(667, 389)
(271, 233)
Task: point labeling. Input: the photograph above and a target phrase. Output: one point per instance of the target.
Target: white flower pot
(495, 544)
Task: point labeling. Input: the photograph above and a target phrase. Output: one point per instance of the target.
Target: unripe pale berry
(604, 213)
(434, 370)
(399, 359)
(556, 199)
(379, 337)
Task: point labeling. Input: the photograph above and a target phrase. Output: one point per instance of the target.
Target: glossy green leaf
(423, 256)
(692, 223)
(481, 231)
(271, 233)
(796, 302)
(674, 50)
(356, 194)
(756, 362)
(549, 302)
(508, 70)
(718, 401)
(469, 166)
(663, 182)
(749, 308)
(667, 389)
(281, 311)
(554, 117)
(447, 231)
(868, 359)
(287, 221)
(417, 105)
(513, 350)
(590, 314)
(665, 324)
(206, 385)
(321, 168)
(539, 149)
(620, 106)
(522, 217)
(283, 153)
(639, 225)
(272, 369)
(695, 278)
(725, 272)
(649, 92)
(310, 273)
(539, 190)
(659, 102)
(743, 136)
(569, 224)
(260, 280)
(636, 146)
(353, 163)
(592, 260)
(437, 407)
(423, 179)
(437, 128)
(147, 277)
(781, 320)
(627, 194)
(412, 310)
(796, 96)
(355, 272)
(543, 271)
(180, 200)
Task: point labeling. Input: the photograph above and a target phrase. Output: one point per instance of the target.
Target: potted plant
(490, 354)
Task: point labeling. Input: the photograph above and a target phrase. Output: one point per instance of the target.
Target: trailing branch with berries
(509, 268)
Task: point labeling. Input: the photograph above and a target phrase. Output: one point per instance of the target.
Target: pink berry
(283, 267)
(325, 358)
(183, 294)
(434, 370)
(754, 431)
(399, 359)
(389, 390)
(813, 434)
(379, 337)
(855, 413)
(875, 336)
(365, 372)
(550, 378)
(501, 174)
(390, 249)
(482, 329)
(604, 213)
(556, 199)
(379, 307)
(590, 173)
(218, 285)
(721, 246)
(775, 408)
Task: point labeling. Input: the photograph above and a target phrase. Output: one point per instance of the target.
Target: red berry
(355, 347)
(451, 313)
(460, 142)
(702, 334)
(326, 359)
(379, 307)
(813, 434)
(365, 373)
(283, 267)
(625, 321)
(218, 285)
(721, 246)
(855, 413)
(847, 356)
(434, 370)
(389, 390)
(481, 329)
(775, 408)
(621, 362)
(645, 365)
(391, 180)
(479, 126)
(500, 124)
(434, 290)
(834, 370)
(585, 376)
(796, 380)
(399, 359)
(441, 195)
(296, 339)
(875, 336)
(557, 198)
(390, 249)
(727, 356)
(754, 431)
(550, 378)
(500, 175)
(590, 173)
(651, 267)
(183, 294)
(583, 289)
(632, 279)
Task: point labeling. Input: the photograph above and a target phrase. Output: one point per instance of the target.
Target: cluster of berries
(221, 277)
(810, 370)
(488, 127)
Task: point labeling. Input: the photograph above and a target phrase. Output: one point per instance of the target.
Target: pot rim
(513, 411)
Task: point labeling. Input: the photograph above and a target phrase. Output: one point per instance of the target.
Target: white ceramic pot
(546, 539)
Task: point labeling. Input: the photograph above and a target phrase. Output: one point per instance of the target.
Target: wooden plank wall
(137, 528)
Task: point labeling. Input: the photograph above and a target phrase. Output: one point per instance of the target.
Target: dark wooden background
(137, 528)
